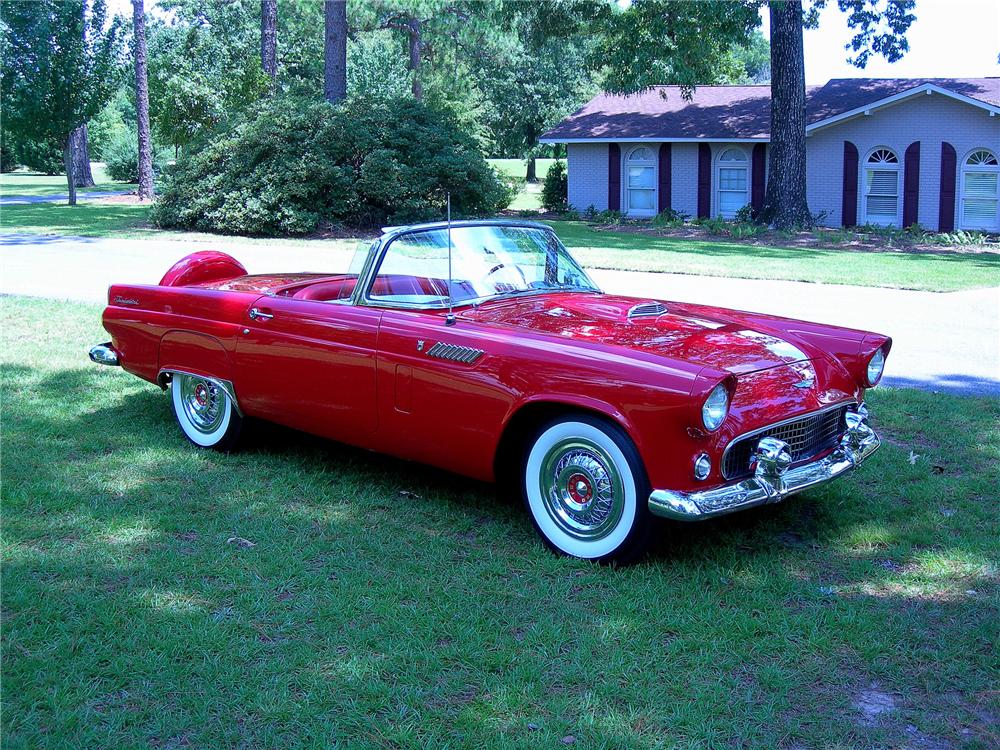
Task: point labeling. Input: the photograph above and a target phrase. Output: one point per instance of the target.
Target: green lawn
(519, 167)
(387, 605)
(29, 183)
(944, 271)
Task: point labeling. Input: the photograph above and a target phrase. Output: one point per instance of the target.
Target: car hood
(711, 337)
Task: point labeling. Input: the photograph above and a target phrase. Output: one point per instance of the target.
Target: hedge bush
(38, 156)
(555, 190)
(296, 163)
(121, 158)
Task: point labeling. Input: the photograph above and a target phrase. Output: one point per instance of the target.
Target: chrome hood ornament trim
(650, 309)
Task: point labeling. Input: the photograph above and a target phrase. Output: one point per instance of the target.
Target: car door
(310, 365)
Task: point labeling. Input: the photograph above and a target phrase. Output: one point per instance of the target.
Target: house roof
(744, 112)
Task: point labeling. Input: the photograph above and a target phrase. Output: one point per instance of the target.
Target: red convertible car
(483, 348)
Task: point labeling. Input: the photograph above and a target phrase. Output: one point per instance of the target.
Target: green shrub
(745, 215)
(555, 190)
(8, 161)
(294, 163)
(669, 217)
(39, 156)
(121, 158)
(714, 225)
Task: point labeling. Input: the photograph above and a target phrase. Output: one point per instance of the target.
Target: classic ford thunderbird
(482, 347)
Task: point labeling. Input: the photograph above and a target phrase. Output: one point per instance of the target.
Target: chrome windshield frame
(366, 277)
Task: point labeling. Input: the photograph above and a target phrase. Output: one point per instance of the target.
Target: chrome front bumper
(772, 481)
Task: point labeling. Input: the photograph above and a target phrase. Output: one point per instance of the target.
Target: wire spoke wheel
(582, 489)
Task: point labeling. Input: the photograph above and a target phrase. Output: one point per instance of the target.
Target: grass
(519, 167)
(30, 183)
(936, 272)
(941, 272)
(367, 616)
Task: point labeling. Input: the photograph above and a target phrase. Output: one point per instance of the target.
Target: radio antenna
(450, 319)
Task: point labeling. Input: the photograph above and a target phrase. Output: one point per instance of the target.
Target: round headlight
(875, 366)
(716, 406)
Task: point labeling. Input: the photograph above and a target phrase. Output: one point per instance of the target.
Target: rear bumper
(772, 481)
(104, 354)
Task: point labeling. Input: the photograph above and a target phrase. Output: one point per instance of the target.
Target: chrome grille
(806, 437)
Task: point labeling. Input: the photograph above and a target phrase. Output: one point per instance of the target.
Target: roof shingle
(737, 111)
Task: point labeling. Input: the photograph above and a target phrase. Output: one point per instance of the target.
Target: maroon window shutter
(704, 180)
(663, 178)
(911, 184)
(758, 163)
(614, 177)
(946, 196)
(849, 205)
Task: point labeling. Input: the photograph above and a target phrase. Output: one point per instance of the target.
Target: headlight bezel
(879, 356)
(711, 424)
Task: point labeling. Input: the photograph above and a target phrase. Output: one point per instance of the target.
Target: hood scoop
(647, 310)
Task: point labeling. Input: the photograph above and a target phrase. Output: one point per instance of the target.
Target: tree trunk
(142, 102)
(68, 164)
(84, 177)
(335, 51)
(413, 26)
(269, 38)
(785, 203)
(532, 174)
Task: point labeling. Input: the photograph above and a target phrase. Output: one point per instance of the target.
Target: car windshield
(487, 261)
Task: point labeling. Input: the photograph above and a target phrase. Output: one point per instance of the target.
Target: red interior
(384, 286)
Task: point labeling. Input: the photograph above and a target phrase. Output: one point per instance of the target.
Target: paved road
(13, 200)
(942, 341)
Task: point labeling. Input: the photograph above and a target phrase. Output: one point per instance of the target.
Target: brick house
(879, 151)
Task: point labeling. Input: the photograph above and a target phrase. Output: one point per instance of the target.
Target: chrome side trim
(773, 481)
(650, 309)
(163, 377)
(104, 354)
(456, 353)
(773, 425)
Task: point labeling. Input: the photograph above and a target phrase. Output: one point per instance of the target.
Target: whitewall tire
(586, 490)
(205, 412)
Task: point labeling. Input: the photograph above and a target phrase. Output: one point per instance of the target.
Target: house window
(881, 189)
(733, 181)
(640, 182)
(980, 175)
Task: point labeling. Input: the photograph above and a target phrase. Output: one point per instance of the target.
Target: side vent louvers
(647, 310)
(464, 354)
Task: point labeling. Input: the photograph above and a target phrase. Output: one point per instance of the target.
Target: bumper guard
(773, 480)
(104, 354)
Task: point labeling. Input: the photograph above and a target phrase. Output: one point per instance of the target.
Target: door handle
(257, 314)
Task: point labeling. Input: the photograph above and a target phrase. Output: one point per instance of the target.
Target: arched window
(733, 181)
(640, 182)
(980, 175)
(881, 188)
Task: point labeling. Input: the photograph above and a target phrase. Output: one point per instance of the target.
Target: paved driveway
(942, 341)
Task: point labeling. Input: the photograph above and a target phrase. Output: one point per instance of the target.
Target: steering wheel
(498, 266)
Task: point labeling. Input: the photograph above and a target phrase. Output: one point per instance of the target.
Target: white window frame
(896, 167)
(652, 163)
(988, 169)
(719, 166)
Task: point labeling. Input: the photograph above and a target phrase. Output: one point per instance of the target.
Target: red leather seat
(325, 291)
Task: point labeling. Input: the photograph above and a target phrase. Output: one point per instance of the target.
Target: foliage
(121, 158)
(745, 215)
(8, 161)
(555, 191)
(880, 29)
(204, 67)
(44, 156)
(61, 66)
(295, 163)
(607, 217)
(669, 217)
(753, 59)
(116, 119)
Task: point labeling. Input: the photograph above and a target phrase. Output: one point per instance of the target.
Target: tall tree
(83, 176)
(335, 51)
(879, 29)
(785, 202)
(60, 68)
(142, 101)
(269, 38)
